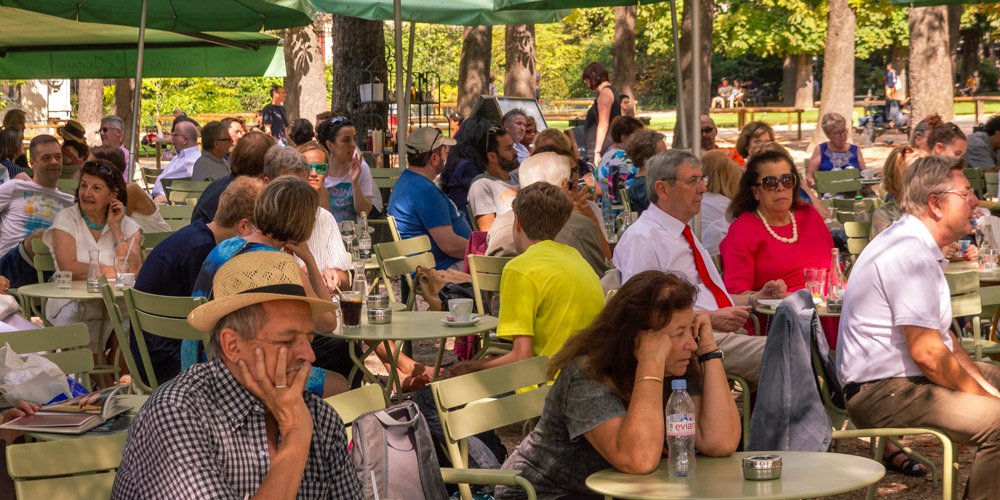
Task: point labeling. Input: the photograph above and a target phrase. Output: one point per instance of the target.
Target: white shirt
(898, 280)
(522, 152)
(656, 241)
(326, 244)
(70, 221)
(25, 207)
(489, 195)
(714, 223)
(180, 167)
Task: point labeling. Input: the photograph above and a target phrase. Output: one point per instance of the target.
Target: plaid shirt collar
(235, 401)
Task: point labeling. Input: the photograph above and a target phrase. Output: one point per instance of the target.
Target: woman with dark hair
(349, 180)
(466, 160)
(774, 235)
(11, 147)
(753, 133)
(140, 206)
(616, 170)
(300, 132)
(945, 138)
(607, 106)
(96, 224)
(606, 406)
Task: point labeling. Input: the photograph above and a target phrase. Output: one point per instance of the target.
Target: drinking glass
(815, 281)
(350, 307)
(64, 280)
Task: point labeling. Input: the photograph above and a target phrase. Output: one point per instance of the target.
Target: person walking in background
(273, 116)
(606, 107)
(891, 82)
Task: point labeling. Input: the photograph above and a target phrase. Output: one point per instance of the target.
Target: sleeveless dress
(590, 124)
(838, 160)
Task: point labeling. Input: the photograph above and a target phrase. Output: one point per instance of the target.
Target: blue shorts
(16, 267)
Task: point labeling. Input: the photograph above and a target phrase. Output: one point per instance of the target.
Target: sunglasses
(319, 168)
(771, 183)
(100, 167)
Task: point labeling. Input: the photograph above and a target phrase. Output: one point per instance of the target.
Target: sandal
(909, 466)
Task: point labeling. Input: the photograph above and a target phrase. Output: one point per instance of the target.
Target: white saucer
(769, 303)
(472, 321)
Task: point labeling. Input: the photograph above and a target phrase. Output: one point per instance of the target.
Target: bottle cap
(678, 384)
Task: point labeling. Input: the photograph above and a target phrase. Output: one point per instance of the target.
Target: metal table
(406, 326)
(804, 474)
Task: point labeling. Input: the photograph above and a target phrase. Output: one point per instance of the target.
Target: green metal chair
(487, 400)
(992, 181)
(352, 404)
(182, 190)
(858, 236)
(67, 346)
(82, 468)
(160, 315)
(150, 240)
(838, 181)
(976, 180)
(68, 185)
(485, 272)
(966, 301)
(401, 259)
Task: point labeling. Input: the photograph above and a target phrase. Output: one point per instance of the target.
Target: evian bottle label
(680, 424)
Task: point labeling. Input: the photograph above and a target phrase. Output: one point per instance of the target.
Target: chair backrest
(486, 400)
(68, 185)
(67, 346)
(992, 181)
(150, 240)
(847, 204)
(845, 216)
(163, 316)
(976, 180)
(183, 190)
(485, 273)
(43, 260)
(625, 199)
(69, 171)
(393, 228)
(858, 236)
(401, 259)
(838, 181)
(182, 212)
(990, 298)
(472, 217)
(965, 300)
(149, 175)
(352, 404)
(80, 468)
(118, 327)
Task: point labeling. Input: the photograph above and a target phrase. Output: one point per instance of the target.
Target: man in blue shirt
(420, 207)
(173, 265)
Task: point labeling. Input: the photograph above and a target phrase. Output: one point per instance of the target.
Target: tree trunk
(124, 93)
(474, 68)
(798, 81)
(838, 66)
(624, 51)
(704, 93)
(519, 41)
(357, 44)
(954, 31)
(970, 50)
(304, 81)
(899, 56)
(90, 105)
(930, 84)
(788, 85)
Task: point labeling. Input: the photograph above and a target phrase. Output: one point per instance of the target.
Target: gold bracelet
(650, 377)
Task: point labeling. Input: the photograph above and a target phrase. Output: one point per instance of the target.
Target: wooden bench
(978, 100)
(746, 114)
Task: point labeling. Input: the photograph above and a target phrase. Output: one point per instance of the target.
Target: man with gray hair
(185, 138)
(515, 122)
(661, 239)
(112, 131)
(899, 363)
(215, 145)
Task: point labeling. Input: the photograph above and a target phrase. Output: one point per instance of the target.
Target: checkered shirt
(202, 435)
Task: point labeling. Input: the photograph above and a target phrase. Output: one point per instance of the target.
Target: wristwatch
(716, 354)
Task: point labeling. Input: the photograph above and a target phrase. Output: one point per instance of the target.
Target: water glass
(815, 281)
(990, 259)
(63, 279)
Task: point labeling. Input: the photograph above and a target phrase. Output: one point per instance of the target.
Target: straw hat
(72, 131)
(253, 278)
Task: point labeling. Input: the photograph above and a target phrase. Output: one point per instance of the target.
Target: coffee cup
(460, 309)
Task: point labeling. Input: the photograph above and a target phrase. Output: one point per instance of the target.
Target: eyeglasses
(695, 180)
(319, 168)
(108, 129)
(707, 130)
(966, 194)
(770, 183)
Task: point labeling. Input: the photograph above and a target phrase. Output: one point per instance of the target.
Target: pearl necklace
(795, 228)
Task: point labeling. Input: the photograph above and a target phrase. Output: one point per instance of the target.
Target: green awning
(37, 46)
(180, 16)
(933, 3)
(505, 5)
(453, 12)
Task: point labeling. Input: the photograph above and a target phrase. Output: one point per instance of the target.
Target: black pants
(333, 355)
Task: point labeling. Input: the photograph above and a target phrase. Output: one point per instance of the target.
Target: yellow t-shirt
(549, 293)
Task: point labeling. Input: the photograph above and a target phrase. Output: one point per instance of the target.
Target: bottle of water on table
(680, 431)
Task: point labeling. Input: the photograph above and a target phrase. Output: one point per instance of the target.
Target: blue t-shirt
(418, 205)
(171, 269)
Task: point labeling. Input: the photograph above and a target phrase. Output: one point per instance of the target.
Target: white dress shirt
(714, 223)
(180, 167)
(898, 280)
(655, 242)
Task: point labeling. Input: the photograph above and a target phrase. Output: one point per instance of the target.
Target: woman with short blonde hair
(836, 153)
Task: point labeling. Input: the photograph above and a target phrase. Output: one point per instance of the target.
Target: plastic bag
(30, 378)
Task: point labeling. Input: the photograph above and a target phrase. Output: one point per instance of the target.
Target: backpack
(394, 455)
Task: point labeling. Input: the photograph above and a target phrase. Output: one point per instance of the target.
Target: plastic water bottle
(860, 210)
(680, 431)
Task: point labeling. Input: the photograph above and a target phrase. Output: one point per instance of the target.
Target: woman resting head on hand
(612, 388)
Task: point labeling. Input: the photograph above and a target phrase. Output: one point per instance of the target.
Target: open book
(73, 416)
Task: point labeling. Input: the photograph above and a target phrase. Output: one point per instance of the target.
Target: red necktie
(721, 299)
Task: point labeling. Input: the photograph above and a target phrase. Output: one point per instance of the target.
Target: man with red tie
(662, 239)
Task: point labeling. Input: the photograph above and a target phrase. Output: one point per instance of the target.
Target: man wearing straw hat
(242, 424)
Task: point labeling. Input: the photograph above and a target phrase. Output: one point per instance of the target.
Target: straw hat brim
(67, 134)
(204, 317)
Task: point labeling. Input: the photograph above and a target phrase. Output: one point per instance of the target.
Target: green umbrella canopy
(453, 12)
(504, 5)
(932, 3)
(179, 15)
(35, 46)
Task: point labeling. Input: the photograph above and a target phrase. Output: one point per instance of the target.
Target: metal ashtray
(834, 305)
(379, 316)
(762, 467)
(378, 301)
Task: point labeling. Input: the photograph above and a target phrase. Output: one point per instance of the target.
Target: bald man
(185, 138)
